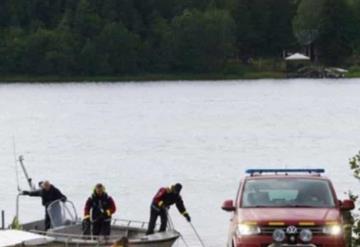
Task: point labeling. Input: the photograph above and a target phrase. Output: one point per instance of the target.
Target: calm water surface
(136, 137)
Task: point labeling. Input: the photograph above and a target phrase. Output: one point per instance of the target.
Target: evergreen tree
(191, 29)
(327, 25)
(46, 13)
(13, 43)
(5, 13)
(87, 22)
(20, 13)
(89, 61)
(119, 47)
(335, 32)
(38, 45)
(280, 31)
(122, 11)
(157, 53)
(307, 22)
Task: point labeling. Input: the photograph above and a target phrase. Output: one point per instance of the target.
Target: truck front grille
(268, 230)
(267, 245)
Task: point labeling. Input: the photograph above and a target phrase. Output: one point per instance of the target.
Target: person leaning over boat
(48, 193)
(162, 202)
(98, 210)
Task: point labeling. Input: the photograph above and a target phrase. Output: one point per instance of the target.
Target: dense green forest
(121, 37)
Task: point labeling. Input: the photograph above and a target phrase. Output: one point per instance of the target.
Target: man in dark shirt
(160, 204)
(48, 194)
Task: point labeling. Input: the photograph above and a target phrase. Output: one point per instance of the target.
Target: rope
(172, 226)
(197, 235)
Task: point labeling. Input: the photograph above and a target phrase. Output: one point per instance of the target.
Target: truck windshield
(294, 192)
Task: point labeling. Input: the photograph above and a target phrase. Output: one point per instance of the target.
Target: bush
(355, 167)
(263, 64)
(235, 68)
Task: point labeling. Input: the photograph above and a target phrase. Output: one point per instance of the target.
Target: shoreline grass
(249, 75)
(141, 77)
(353, 74)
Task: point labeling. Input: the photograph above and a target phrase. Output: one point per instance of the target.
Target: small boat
(67, 227)
(67, 230)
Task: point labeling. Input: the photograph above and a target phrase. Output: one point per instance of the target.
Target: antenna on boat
(28, 179)
(16, 165)
(15, 222)
(21, 161)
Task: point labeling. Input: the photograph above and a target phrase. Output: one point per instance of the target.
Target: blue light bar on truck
(286, 171)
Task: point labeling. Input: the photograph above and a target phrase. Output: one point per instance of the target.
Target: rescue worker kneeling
(98, 211)
(162, 202)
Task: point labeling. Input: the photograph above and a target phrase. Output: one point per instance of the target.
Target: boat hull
(71, 235)
(158, 244)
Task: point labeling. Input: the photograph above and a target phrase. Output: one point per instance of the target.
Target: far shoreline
(152, 77)
(139, 77)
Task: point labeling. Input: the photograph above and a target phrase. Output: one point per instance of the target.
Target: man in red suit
(162, 202)
(99, 209)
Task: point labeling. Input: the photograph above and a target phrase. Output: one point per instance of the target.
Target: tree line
(120, 37)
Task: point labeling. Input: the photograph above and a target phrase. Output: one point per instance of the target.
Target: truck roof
(285, 173)
(286, 176)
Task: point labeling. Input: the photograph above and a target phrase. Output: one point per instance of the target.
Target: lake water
(136, 137)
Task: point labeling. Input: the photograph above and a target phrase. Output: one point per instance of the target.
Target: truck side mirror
(228, 206)
(347, 205)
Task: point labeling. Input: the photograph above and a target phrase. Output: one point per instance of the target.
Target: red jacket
(103, 206)
(165, 198)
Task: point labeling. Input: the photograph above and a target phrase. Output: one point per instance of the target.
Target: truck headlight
(279, 235)
(306, 235)
(247, 230)
(333, 230)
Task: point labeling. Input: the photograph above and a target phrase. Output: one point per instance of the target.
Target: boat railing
(130, 223)
(140, 224)
(61, 212)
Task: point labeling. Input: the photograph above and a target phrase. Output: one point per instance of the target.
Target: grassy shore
(248, 75)
(354, 73)
(142, 77)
